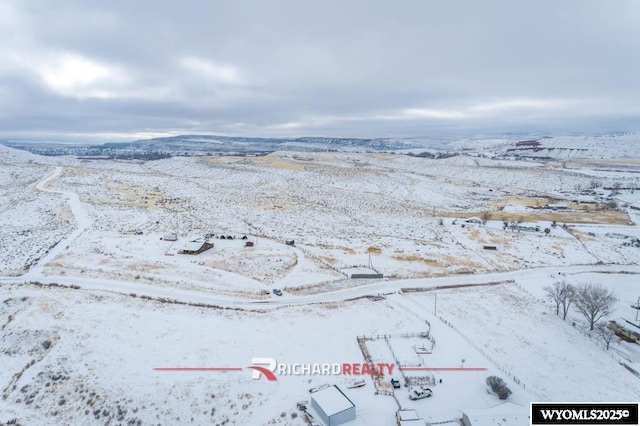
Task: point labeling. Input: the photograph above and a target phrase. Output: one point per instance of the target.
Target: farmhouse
(195, 247)
(333, 406)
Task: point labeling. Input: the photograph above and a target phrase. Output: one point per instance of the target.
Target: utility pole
(435, 305)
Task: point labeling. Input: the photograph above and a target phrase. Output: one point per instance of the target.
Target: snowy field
(125, 300)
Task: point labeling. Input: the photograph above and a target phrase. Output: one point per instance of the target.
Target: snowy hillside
(620, 145)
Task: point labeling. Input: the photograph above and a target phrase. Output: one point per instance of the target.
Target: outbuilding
(333, 406)
(195, 247)
(555, 206)
(409, 417)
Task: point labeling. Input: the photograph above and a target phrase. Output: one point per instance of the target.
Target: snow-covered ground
(83, 351)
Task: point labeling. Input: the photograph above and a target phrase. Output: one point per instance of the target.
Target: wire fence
(484, 353)
(421, 334)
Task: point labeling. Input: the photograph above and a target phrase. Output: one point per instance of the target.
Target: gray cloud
(359, 68)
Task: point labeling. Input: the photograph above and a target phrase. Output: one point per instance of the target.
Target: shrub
(498, 386)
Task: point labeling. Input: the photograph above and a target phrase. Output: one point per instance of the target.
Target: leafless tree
(594, 301)
(485, 217)
(606, 334)
(562, 294)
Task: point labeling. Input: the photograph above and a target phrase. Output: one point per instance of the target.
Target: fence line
(499, 366)
(395, 358)
(394, 335)
(322, 261)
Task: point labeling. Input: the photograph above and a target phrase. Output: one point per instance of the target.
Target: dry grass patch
(275, 162)
(461, 262)
(498, 239)
(474, 233)
(522, 201)
(586, 216)
(143, 267)
(416, 258)
(580, 235)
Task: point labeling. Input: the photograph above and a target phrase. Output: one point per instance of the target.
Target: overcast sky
(109, 70)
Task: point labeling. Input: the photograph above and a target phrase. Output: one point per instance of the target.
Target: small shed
(291, 242)
(248, 244)
(333, 406)
(360, 276)
(488, 247)
(170, 237)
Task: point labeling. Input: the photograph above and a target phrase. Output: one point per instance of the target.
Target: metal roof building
(333, 406)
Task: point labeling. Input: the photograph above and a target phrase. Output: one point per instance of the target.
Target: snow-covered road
(381, 287)
(82, 218)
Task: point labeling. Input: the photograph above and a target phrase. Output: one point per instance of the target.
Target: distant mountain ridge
(509, 146)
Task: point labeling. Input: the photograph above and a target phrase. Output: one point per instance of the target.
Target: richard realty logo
(270, 369)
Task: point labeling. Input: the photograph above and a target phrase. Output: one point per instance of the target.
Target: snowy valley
(110, 268)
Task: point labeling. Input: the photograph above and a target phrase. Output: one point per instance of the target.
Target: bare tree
(485, 216)
(606, 334)
(594, 301)
(570, 292)
(562, 294)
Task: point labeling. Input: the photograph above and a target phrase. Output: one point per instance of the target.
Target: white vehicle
(419, 392)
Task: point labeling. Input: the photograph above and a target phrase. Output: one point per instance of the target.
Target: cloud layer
(119, 69)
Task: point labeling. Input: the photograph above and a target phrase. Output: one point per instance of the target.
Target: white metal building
(408, 417)
(333, 406)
